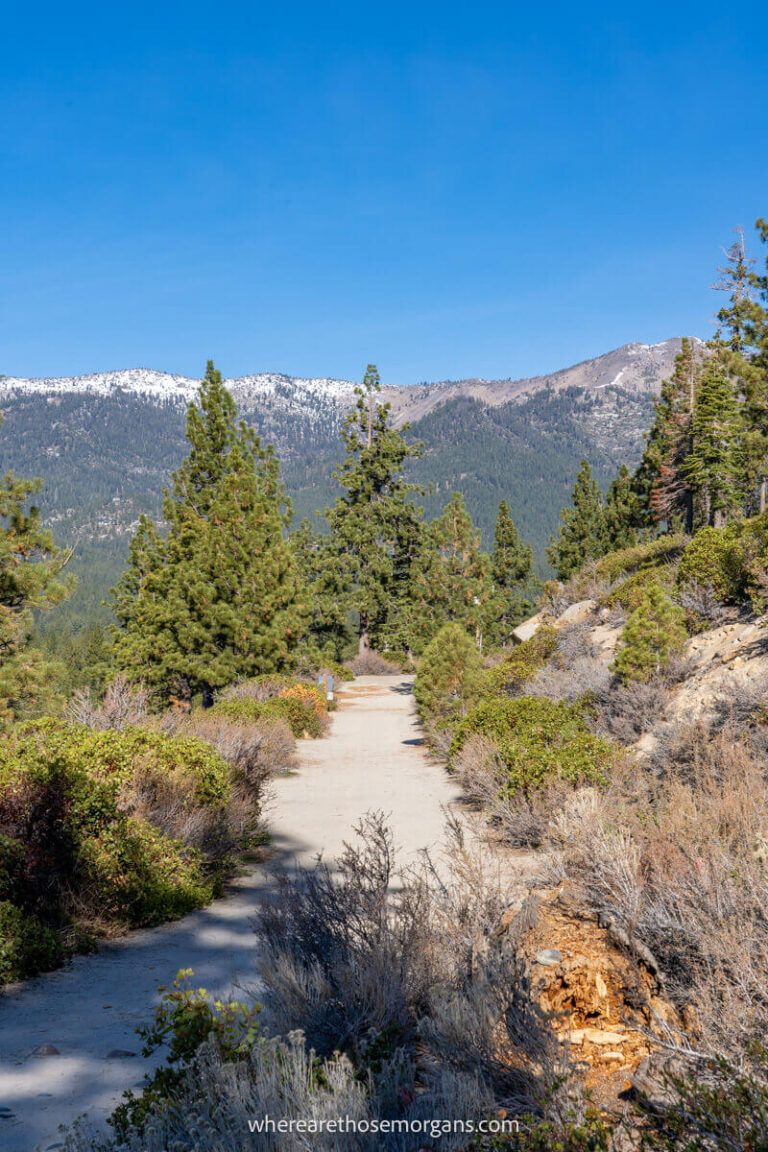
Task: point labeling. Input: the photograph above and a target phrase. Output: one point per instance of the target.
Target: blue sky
(446, 189)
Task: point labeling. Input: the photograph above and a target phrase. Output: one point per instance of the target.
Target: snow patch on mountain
(250, 392)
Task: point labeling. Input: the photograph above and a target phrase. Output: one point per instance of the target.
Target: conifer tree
(511, 565)
(621, 511)
(452, 579)
(714, 466)
(31, 579)
(583, 532)
(329, 625)
(375, 526)
(652, 636)
(664, 493)
(220, 595)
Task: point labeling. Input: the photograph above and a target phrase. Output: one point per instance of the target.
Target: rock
(528, 629)
(46, 1050)
(120, 1054)
(577, 613)
(602, 989)
(613, 1057)
(6, 1114)
(651, 1081)
(549, 957)
(603, 1039)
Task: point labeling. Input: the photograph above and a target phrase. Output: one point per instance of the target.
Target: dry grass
(677, 865)
(373, 664)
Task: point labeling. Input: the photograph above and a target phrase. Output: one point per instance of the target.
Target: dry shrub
(520, 819)
(123, 705)
(259, 688)
(677, 865)
(702, 604)
(626, 711)
(369, 959)
(254, 749)
(575, 669)
(371, 663)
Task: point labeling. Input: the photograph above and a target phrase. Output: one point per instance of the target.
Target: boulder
(576, 613)
(528, 629)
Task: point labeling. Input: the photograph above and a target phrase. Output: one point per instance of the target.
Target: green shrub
(631, 591)
(539, 741)
(664, 550)
(448, 676)
(26, 946)
(715, 559)
(519, 665)
(652, 636)
(300, 712)
(86, 833)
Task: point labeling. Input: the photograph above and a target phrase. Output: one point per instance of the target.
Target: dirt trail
(88, 1011)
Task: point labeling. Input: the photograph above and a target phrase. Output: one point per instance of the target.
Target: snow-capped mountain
(105, 444)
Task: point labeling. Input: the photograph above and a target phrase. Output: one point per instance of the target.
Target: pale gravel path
(371, 760)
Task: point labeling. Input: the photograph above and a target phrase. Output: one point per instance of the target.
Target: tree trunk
(363, 643)
(207, 696)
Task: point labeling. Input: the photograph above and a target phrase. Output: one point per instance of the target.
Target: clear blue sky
(448, 189)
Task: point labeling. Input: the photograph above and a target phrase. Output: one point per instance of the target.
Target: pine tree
(329, 626)
(511, 566)
(652, 636)
(451, 579)
(220, 595)
(714, 467)
(621, 511)
(663, 492)
(31, 579)
(583, 532)
(375, 526)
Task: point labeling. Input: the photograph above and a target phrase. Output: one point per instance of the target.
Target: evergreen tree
(219, 596)
(621, 511)
(583, 532)
(663, 492)
(511, 565)
(451, 579)
(652, 636)
(31, 579)
(375, 526)
(329, 628)
(714, 467)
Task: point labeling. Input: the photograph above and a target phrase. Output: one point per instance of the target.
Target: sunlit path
(88, 1011)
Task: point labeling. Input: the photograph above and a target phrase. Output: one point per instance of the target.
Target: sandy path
(89, 1010)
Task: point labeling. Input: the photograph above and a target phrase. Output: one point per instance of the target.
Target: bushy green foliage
(539, 741)
(715, 559)
(26, 945)
(519, 664)
(77, 841)
(184, 1019)
(448, 675)
(652, 636)
(590, 1133)
(304, 710)
(630, 593)
(583, 534)
(650, 554)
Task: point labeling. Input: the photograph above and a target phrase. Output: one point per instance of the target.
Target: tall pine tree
(219, 596)
(511, 566)
(714, 467)
(583, 534)
(375, 526)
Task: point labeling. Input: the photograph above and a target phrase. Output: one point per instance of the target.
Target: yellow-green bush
(447, 679)
(630, 592)
(519, 665)
(299, 710)
(86, 836)
(661, 551)
(538, 741)
(731, 561)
